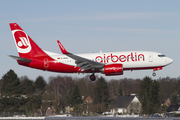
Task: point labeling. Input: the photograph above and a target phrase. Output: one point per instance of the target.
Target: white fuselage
(130, 59)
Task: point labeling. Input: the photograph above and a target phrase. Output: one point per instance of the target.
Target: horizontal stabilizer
(20, 58)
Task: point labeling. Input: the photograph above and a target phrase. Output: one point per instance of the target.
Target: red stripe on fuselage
(142, 68)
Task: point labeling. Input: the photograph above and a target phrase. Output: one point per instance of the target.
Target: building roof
(167, 102)
(88, 98)
(123, 101)
(172, 108)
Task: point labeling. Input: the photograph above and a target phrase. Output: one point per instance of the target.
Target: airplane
(108, 63)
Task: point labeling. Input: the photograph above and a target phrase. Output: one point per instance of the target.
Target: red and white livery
(109, 63)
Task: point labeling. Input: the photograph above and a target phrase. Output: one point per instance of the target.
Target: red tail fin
(26, 47)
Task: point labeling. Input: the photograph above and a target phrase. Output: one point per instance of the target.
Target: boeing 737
(108, 63)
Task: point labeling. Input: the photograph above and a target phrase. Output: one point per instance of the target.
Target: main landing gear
(92, 77)
(154, 74)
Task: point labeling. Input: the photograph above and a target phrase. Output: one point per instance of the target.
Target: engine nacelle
(112, 69)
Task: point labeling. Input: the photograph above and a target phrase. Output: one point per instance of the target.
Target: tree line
(20, 94)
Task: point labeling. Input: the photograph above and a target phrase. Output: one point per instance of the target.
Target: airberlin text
(122, 58)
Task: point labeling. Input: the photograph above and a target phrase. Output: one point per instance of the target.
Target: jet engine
(112, 69)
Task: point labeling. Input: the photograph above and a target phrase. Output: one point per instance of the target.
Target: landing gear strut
(92, 77)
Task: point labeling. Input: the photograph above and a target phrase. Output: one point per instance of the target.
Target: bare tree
(86, 86)
(168, 87)
(60, 86)
(130, 85)
(113, 88)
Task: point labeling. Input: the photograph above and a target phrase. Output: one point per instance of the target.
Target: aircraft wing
(84, 63)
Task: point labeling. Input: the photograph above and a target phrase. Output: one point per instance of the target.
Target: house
(167, 102)
(173, 109)
(50, 111)
(126, 104)
(89, 107)
(88, 100)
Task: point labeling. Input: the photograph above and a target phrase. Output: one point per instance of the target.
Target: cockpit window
(161, 56)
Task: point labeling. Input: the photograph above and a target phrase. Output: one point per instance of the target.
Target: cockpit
(161, 56)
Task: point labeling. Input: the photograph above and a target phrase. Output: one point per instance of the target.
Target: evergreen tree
(32, 104)
(28, 86)
(76, 97)
(11, 84)
(101, 94)
(101, 91)
(120, 91)
(40, 83)
(144, 94)
(149, 96)
(174, 99)
(76, 100)
(12, 89)
(154, 97)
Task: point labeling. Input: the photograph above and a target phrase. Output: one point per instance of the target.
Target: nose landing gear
(155, 69)
(154, 74)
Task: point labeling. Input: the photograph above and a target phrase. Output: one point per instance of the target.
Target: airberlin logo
(22, 41)
(122, 58)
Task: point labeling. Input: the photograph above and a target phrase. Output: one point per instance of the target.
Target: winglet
(63, 50)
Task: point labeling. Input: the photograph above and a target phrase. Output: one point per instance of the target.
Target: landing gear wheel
(92, 77)
(154, 74)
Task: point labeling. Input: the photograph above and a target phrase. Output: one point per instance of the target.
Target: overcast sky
(85, 26)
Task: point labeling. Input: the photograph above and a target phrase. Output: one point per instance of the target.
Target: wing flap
(86, 66)
(80, 64)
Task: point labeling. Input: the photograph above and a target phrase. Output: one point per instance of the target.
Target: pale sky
(86, 26)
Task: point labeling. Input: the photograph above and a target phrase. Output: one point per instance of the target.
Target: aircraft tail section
(26, 47)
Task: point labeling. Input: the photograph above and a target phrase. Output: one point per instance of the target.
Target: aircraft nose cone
(170, 60)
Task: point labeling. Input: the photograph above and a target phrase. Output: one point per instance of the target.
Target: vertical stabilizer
(26, 47)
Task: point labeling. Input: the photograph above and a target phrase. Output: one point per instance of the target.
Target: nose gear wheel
(154, 74)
